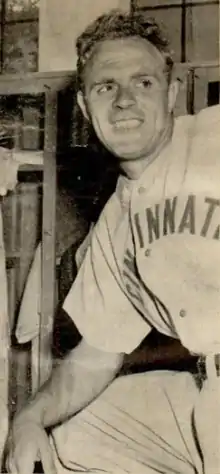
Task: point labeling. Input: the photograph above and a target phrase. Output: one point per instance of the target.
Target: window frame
(186, 14)
(4, 22)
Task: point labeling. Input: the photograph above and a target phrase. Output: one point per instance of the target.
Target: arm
(74, 383)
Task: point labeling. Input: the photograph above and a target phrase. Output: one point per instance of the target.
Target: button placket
(137, 204)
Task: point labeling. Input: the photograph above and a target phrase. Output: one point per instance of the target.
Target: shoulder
(204, 142)
(202, 130)
(206, 120)
(209, 118)
(206, 132)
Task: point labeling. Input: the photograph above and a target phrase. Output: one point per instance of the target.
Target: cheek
(155, 100)
(158, 108)
(100, 118)
(101, 126)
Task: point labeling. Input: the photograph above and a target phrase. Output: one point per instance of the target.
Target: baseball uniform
(153, 261)
(155, 248)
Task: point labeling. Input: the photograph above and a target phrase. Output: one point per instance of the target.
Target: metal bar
(190, 95)
(198, 65)
(48, 237)
(176, 5)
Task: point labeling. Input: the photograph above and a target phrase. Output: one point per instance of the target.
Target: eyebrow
(103, 80)
(140, 75)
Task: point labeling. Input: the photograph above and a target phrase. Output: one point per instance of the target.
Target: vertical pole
(189, 57)
(189, 33)
(48, 236)
(4, 346)
(183, 31)
(2, 35)
(190, 91)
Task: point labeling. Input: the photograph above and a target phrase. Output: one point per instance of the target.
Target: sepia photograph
(110, 236)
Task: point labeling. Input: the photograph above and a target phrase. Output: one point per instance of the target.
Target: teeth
(127, 124)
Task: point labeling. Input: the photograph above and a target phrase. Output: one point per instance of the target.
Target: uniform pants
(141, 424)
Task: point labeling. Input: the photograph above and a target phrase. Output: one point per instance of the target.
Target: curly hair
(117, 24)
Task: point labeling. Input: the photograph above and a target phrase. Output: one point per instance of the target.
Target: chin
(129, 150)
(128, 155)
(129, 147)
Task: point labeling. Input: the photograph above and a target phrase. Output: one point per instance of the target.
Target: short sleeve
(97, 301)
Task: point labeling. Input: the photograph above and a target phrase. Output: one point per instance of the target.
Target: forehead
(124, 57)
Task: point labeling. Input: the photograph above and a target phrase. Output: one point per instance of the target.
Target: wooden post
(4, 345)
(132, 6)
(48, 236)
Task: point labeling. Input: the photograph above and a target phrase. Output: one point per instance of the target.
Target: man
(152, 262)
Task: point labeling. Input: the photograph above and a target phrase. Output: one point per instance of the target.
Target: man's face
(127, 96)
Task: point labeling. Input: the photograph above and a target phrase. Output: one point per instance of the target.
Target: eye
(144, 83)
(104, 88)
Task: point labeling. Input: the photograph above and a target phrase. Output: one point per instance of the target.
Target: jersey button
(141, 190)
(147, 253)
(182, 313)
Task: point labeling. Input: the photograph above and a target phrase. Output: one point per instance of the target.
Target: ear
(172, 94)
(82, 104)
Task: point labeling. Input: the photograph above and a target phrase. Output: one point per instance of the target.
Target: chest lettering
(163, 219)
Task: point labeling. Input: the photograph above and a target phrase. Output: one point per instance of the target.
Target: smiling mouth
(127, 124)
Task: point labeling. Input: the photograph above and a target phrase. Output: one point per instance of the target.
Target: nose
(124, 98)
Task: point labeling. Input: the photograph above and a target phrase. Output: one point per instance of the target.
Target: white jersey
(154, 257)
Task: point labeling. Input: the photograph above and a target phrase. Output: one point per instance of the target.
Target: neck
(134, 168)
